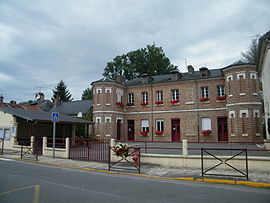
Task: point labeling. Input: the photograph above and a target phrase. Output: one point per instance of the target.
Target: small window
(145, 97)
(206, 124)
(204, 92)
(144, 125)
(220, 91)
(175, 94)
(159, 95)
(130, 98)
(159, 125)
(119, 96)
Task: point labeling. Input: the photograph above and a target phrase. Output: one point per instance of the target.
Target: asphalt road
(29, 182)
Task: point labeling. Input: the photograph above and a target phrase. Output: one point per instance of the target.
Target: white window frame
(159, 95)
(231, 114)
(108, 90)
(119, 95)
(221, 90)
(108, 119)
(144, 125)
(241, 112)
(160, 125)
(229, 78)
(238, 75)
(99, 90)
(204, 92)
(145, 97)
(206, 123)
(131, 98)
(258, 113)
(175, 94)
(253, 75)
(98, 120)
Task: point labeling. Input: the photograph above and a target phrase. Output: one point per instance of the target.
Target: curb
(207, 180)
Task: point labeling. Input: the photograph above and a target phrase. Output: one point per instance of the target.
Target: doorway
(119, 126)
(175, 123)
(131, 135)
(222, 129)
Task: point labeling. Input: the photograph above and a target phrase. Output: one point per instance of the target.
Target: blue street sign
(55, 117)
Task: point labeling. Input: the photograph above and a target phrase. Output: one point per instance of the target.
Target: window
(206, 124)
(119, 96)
(175, 94)
(220, 91)
(159, 125)
(204, 92)
(159, 95)
(144, 125)
(145, 97)
(130, 98)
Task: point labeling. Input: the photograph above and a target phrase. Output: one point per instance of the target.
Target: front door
(131, 130)
(118, 133)
(222, 129)
(175, 130)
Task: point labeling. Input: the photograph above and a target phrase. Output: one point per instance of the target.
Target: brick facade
(232, 113)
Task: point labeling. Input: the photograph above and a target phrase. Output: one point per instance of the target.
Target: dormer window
(204, 72)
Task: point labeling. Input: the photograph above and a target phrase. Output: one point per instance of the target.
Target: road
(30, 182)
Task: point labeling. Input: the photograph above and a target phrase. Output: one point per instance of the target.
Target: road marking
(36, 192)
(3, 159)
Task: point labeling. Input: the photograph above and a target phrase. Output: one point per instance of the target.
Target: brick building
(205, 105)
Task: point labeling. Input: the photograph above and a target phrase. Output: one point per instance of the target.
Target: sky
(45, 41)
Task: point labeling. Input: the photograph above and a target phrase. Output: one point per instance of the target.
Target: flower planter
(144, 133)
(144, 103)
(220, 98)
(204, 99)
(174, 101)
(120, 104)
(206, 132)
(159, 102)
(159, 132)
(121, 150)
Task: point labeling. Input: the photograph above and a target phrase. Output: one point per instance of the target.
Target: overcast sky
(45, 41)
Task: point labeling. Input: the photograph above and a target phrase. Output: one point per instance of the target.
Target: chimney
(175, 75)
(1, 98)
(190, 69)
(120, 79)
(40, 97)
(146, 78)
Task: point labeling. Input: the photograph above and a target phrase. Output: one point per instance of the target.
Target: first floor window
(159, 125)
(131, 98)
(119, 96)
(159, 95)
(206, 124)
(175, 94)
(144, 97)
(220, 91)
(144, 125)
(204, 92)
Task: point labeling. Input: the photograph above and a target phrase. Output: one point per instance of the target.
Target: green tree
(151, 60)
(61, 92)
(87, 93)
(251, 55)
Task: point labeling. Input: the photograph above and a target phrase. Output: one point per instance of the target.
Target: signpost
(55, 118)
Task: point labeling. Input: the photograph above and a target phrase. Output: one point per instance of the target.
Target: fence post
(44, 145)
(184, 148)
(67, 147)
(32, 142)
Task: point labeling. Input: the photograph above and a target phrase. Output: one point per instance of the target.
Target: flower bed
(159, 132)
(206, 132)
(144, 103)
(120, 104)
(204, 99)
(159, 102)
(144, 133)
(121, 150)
(221, 98)
(130, 104)
(174, 101)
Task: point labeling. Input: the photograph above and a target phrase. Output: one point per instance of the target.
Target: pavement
(256, 178)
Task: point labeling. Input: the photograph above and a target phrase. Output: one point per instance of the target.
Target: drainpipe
(152, 108)
(197, 106)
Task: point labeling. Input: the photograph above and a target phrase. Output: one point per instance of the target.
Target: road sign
(55, 117)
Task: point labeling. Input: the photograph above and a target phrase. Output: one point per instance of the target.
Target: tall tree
(251, 55)
(151, 60)
(87, 93)
(61, 92)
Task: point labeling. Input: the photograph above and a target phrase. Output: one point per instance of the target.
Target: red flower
(204, 99)
(120, 104)
(221, 97)
(144, 103)
(206, 132)
(159, 132)
(144, 133)
(174, 101)
(159, 102)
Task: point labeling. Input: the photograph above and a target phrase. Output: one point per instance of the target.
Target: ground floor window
(160, 125)
(144, 125)
(206, 124)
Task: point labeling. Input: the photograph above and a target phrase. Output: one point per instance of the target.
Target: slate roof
(238, 63)
(73, 107)
(45, 105)
(105, 80)
(41, 115)
(168, 77)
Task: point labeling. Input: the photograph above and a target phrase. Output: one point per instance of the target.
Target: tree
(251, 55)
(61, 92)
(151, 60)
(87, 93)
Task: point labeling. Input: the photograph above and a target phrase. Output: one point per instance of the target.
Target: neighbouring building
(205, 105)
(263, 68)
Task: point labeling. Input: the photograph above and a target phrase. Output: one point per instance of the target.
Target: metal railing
(2, 141)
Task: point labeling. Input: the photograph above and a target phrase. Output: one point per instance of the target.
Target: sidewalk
(146, 169)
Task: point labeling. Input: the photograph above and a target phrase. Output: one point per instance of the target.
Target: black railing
(224, 161)
(1, 146)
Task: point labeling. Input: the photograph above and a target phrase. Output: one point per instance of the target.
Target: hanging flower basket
(121, 150)
(144, 103)
(130, 104)
(159, 132)
(204, 99)
(206, 132)
(159, 102)
(144, 133)
(221, 97)
(174, 101)
(120, 104)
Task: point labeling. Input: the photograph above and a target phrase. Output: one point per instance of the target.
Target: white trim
(256, 111)
(98, 118)
(119, 118)
(241, 74)
(188, 103)
(108, 104)
(157, 112)
(98, 90)
(253, 74)
(98, 135)
(241, 112)
(245, 103)
(108, 118)
(108, 135)
(231, 114)
(232, 135)
(245, 135)
(230, 95)
(108, 89)
(242, 94)
(229, 78)
(255, 94)
(258, 134)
